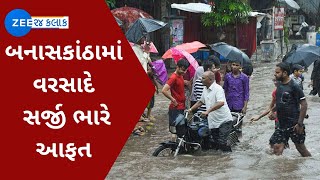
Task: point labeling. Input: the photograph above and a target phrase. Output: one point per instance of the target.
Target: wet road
(251, 159)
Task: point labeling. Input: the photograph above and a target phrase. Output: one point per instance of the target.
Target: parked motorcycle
(194, 134)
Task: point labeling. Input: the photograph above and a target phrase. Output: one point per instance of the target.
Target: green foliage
(227, 12)
(111, 3)
(286, 35)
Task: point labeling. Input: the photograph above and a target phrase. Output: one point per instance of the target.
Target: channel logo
(19, 22)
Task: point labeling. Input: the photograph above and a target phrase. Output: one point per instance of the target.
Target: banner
(279, 18)
(71, 89)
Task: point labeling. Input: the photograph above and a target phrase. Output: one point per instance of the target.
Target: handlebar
(239, 117)
(186, 112)
(196, 115)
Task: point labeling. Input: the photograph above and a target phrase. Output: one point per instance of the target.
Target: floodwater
(250, 159)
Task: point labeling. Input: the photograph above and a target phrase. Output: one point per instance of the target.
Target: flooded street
(250, 159)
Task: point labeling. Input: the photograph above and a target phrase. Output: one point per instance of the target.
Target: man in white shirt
(218, 112)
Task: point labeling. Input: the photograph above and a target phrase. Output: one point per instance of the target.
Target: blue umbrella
(304, 55)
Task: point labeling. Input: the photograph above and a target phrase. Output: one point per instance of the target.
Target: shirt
(176, 84)
(237, 90)
(297, 80)
(288, 97)
(210, 97)
(198, 90)
(197, 75)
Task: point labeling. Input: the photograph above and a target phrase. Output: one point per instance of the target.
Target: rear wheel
(164, 151)
(233, 138)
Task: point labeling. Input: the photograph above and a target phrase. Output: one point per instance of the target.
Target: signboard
(279, 18)
(176, 32)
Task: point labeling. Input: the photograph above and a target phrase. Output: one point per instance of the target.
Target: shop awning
(290, 3)
(259, 17)
(193, 7)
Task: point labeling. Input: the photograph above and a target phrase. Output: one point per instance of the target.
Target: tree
(226, 12)
(111, 3)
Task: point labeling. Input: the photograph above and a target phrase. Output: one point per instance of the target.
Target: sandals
(146, 119)
(143, 119)
(152, 119)
(139, 131)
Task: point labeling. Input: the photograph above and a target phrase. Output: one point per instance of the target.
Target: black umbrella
(304, 55)
(229, 52)
(142, 27)
(232, 53)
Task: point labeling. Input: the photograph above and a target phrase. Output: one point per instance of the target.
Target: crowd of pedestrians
(215, 93)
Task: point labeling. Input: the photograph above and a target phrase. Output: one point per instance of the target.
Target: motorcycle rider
(218, 112)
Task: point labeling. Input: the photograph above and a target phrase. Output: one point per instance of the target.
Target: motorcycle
(194, 134)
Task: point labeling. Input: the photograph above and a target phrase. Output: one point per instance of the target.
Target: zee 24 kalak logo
(19, 22)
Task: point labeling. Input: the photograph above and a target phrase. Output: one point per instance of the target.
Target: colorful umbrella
(188, 47)
(178, 54)
(161, 71)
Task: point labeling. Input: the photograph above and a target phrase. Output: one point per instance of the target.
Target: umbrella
(178, 54)
(142, 27)
(289, 3)
(229, 52)
(189, 47)
(233, 53)
(128, 15)
(304, 55)
(161, 71)
(193, 7)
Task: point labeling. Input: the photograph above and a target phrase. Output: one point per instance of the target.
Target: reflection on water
(251, 159)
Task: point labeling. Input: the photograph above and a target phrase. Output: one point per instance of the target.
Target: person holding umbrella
(315, 79)
(175, 85)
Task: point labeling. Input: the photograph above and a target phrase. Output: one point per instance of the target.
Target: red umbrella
(188, 47)
(128, 15)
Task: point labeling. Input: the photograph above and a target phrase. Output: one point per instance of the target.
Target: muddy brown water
(251, 159)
